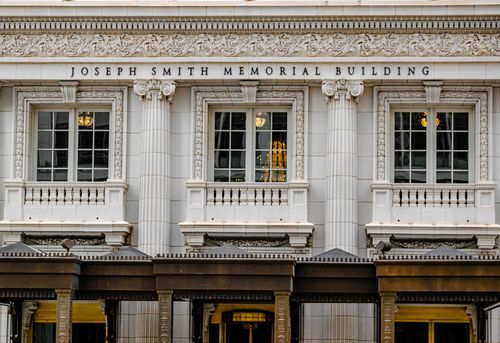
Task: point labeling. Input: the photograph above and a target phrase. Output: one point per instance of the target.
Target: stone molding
(68, 90)
(205, 96)
(238, 24)
(163, 89)
(478, 97)
(333, 89)
(27, 97)
(250, 45)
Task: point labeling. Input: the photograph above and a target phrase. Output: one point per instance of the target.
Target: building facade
(344, 130)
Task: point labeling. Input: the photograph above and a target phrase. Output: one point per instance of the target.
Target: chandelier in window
(423, 119)
(260, 120)
(85, 119)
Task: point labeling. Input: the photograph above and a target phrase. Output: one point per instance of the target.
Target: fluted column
(341, 320)
(341, 164)
(154, 204)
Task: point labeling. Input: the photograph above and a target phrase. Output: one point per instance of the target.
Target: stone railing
(255, 194)
(63, 201)
(433, 195)
(64, 193)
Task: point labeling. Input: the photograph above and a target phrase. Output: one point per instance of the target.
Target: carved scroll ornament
(258, 44)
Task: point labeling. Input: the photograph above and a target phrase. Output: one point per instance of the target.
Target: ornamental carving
(234, 95)
(477, 97)
(159, 88)
(165, 314)
(348, 88)
(256, 45)
(26, 99)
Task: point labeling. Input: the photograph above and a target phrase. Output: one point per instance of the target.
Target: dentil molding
(250, 45)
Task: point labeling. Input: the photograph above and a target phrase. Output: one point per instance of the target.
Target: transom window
(250, 146)
(72, 145)
(432, 146)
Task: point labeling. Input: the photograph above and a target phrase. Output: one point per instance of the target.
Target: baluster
(250, 196)
(445, 198)
(396, 197)
(60, 195)
(405, 197)
(453, 198)
(100, 196)
(284, 196)
(219, 193)
(461, 198)
(37, 195)
(52, 195)
(84, 191)
(259, 197)
(420, 197)
(92, 195)
(275, 199)
(45, 196)
(413, 197)
(28, 196)
(242, 197)
(471, 198)
(227, 197)
(434, 197)
(210, 196)
(267, 196)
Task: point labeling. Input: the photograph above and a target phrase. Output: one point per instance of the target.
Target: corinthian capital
(336, 88)
(159, 88)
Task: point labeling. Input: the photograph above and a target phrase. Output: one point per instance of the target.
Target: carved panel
(64, 315)
(233, 95)
(477, 97)
(388, 303)
(165, 299)
(116, 96)
(282, 317)
(244, 44)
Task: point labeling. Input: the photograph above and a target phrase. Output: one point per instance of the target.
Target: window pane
(44, 158)
(85, 139)
(221, 159)
(262, 175)
(443, 160)
(101, 140)
(237, 175)
(443, 140)
(100, 175)
(461, 121)
(412, 332)
(418, 160)
(279, 140)
(279, 120)
(238, 121)
(60, 175)
(100, 159)
(460, 140)
(263, 140)
(221, 140)
(45, 120)
(402, 121)
(262, 159)
(237, 159)
(85, 120)
(402, 159)
(418, 121)
(102, 120)
(60, 159)
(44, 139)
(401, 176)
(460, 160)
(460, 177)
(221, 175)
(222, 120)
(61, 120)
(451, 333)
(43, 175)
(418, 177)
(85, 159)
(238, 140)
(279, 175)
(262, 121)
(401, 141)
(444, 121)
(418, 141)
(443, 177)
(84, 174)
(61, 139)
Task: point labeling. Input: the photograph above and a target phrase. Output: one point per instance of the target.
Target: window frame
(250, 140)
(72, 137)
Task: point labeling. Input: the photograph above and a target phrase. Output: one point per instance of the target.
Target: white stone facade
(339, 71)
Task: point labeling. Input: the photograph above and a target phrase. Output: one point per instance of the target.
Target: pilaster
(64, 315)
(341, 160)
(281, 317)
(154, 198)
(165, 299)
(387, 316)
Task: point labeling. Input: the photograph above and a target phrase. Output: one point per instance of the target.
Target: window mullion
(72, 145)
(250, 146)
(431, 146)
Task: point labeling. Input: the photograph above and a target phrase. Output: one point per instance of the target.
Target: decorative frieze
(250, 45)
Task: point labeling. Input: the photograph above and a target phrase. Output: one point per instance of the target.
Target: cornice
(241, 24)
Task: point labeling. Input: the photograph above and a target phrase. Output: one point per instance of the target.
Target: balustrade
(247, 194)
(433, 196)
(64, 193)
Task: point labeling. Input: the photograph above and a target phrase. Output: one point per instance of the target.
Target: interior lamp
(85, 119)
